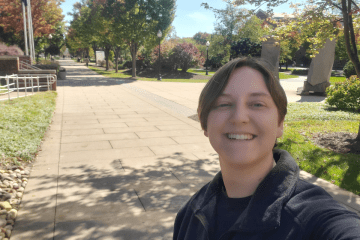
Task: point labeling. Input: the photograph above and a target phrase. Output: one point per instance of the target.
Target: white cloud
(198, 16)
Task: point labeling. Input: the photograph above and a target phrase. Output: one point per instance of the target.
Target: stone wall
(25, 59)
(9, 65)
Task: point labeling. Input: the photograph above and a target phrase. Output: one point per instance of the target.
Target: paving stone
(173, 133)
(84, 146)
(142, 142)
(98, 137)
(82, 132)
(93, 126)
(130, 129)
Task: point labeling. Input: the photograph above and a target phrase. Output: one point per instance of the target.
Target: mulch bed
(340, 142)
(149, 73)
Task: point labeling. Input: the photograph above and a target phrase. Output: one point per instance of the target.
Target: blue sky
(190, 17)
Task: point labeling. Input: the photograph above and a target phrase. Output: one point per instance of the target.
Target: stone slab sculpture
(319, 74)
(270, 51)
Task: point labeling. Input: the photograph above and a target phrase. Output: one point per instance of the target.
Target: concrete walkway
(120, 159)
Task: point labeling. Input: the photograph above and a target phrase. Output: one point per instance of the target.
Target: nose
(239, 114)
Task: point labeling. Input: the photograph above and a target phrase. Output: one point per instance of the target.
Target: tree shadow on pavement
(120, 199)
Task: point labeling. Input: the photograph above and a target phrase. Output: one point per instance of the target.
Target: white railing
(12, 84)
(24, 65)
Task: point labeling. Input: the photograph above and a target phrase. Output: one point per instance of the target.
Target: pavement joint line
(139, 200)
(58, 175)
(174, 175)
(111, 144)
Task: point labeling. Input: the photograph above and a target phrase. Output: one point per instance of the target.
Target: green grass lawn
(286, 76)
(121, 74)
(333, 80)
(23, 122)
(201, 72)
(305, 119)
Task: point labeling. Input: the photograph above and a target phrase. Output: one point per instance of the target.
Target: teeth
(240, 137)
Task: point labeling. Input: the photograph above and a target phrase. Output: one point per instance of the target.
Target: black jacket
(282, 207)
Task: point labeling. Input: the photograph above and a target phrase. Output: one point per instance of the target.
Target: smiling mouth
(240, 136)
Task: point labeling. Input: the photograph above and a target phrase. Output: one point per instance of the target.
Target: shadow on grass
(315, 158)
(112, 199)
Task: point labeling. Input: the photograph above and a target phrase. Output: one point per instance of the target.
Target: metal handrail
(50, 79)
(29, 66)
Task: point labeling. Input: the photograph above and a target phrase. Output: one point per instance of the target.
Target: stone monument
(100, 56)
(270, 51)
(319, 74)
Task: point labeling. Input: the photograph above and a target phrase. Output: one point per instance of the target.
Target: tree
(254, 29)
(142, 19)
(244, 48)
(46, 15)
(319, 14)
(229, 22)
(201, 38)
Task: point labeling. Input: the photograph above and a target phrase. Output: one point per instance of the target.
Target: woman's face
(244, 123)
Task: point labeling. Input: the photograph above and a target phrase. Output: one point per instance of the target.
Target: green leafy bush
(111, 55)
(345, 95)
(103, 64)
(300, 72)
(349, 69)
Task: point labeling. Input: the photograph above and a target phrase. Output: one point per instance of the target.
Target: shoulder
(320, 215)
(195, 200)
(187, 212)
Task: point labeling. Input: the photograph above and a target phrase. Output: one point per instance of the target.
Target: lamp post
(49, 37)
(159, 34)
(207, 56)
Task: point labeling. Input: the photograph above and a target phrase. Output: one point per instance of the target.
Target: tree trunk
(117, 51)
(133, 50)
(350, 42)
(94, 47)
(286, 64)
(107, 53)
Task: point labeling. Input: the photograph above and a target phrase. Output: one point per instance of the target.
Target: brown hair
(218, 82)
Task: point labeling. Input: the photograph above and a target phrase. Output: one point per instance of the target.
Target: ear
(280, 129)
(206, 133)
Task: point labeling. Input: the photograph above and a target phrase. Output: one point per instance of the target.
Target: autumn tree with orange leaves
(46, 15)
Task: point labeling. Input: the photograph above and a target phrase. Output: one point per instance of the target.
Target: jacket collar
(264, 210)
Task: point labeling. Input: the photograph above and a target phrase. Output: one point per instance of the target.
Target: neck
(242, 181)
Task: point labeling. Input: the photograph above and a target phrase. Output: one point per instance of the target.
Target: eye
(258, 105)
(222, 105)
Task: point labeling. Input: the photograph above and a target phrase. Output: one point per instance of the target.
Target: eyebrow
(254, 94)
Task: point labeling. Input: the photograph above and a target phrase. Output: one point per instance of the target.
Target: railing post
(32, 85)
(25, 86)
(38, 83)
(8, 87)
(47, 80)
(17, 85)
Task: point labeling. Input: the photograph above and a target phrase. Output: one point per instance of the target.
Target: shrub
(214, 62)
(185, 56)
(103, 63)
(349, 69)
(10, 50)
(165, 51)
(345, 95)
(139, 64)
(300, 72)
(111, 55)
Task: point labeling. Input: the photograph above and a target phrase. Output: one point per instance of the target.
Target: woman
(258, 193)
